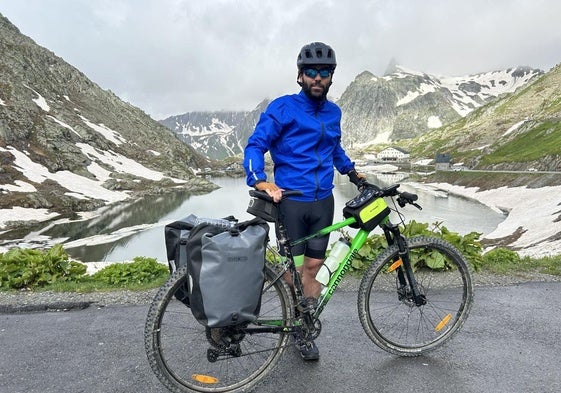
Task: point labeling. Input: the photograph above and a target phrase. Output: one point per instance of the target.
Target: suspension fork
(405, 274)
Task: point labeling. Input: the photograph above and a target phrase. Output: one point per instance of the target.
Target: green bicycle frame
(357, 242)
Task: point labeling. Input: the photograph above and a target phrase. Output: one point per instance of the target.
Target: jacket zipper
(316, 152)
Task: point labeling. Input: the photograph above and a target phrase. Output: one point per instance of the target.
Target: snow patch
(40, 100)
(24, 214)
(424, 88)
(108, 133)
(121, 163)
(434, 122)
(514, 127)
(535, 210)
(64, 125)
(20, 186)
(77, 184)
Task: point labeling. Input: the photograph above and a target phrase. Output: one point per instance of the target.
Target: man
(302, 132)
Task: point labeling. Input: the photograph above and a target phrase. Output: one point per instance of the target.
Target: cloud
(173, 56)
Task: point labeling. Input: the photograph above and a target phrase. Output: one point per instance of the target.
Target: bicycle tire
(177, 346)
(399, 326)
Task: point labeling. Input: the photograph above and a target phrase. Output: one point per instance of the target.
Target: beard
(316, 90)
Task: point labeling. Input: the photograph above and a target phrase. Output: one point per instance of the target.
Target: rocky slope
(404, 104)
(518, 131)
(67, 145)
(216, 134)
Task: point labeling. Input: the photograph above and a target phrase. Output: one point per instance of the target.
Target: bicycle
(405, 307)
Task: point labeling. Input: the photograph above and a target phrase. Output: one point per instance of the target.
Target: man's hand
(356, 177)
(271, 189)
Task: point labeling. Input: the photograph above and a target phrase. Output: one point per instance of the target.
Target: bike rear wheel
(389, 315)
(182, 352)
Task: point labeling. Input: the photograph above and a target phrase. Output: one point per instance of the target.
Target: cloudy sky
(169, 57)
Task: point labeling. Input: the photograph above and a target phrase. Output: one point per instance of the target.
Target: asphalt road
(510, 343)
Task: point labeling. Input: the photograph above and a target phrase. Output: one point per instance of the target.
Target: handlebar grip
(409, 196)
(266, 197)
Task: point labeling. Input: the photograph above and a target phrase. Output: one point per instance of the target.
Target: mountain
(216, 134)
(404, 104)
(68, 145)
(400, 105)
(517, 131)
(210, 133)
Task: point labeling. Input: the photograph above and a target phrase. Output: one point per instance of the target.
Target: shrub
(468, 245)
(30, 268)
(141, 271)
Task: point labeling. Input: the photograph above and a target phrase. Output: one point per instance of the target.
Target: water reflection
(126, 230)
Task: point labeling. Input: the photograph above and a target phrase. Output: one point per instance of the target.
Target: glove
(355, 177)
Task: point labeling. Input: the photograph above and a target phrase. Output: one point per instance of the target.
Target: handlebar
(367, 191)
(403, 197)
(263, 195)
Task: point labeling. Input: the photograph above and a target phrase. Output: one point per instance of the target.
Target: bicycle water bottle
(336, 255)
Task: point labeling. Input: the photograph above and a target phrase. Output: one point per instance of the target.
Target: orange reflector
(204, 378)
(395, 265)
(443, 323)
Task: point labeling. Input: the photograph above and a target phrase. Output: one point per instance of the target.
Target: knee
(312, 264)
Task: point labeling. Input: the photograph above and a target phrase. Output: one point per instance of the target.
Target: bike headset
(314, 54)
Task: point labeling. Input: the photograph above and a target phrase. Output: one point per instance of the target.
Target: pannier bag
(226, 271)
(176, 235)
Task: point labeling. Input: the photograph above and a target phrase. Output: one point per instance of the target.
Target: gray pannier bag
(176, 234)
(225, 266)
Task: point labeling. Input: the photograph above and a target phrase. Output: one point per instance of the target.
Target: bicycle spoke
(389, 313)
(188, 357)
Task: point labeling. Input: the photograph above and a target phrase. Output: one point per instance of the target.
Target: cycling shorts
(305, 218)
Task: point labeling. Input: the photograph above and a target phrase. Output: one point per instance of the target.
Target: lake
(123, 231)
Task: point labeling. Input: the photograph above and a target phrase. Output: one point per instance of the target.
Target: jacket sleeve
(266, 131)
(341, 161)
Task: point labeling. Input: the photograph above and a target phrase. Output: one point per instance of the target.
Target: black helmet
(316, 53)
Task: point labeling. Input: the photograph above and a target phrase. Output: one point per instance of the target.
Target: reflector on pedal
(443, 323)
(204, 378)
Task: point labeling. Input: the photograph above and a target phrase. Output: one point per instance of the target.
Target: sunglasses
(312, 72)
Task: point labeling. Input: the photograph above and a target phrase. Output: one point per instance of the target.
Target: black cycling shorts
(305, 218)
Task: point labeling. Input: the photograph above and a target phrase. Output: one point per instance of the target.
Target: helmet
(316, 53)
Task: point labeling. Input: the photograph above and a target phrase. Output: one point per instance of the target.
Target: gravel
(33, 301)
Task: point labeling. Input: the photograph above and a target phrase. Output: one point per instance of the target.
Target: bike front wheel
(189, 357)
(390, 316)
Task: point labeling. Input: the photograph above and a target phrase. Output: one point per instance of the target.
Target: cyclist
(302, 132)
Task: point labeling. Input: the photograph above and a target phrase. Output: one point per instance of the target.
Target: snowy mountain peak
(406, 103)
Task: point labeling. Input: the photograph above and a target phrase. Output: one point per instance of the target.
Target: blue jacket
(304, 139)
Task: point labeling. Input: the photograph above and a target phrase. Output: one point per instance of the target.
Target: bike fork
(408, 286)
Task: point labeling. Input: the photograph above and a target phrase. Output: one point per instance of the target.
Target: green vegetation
(498, 261)
(541, 141)
(28, 268)
(468, 245)
(52, 270)
(508, 262)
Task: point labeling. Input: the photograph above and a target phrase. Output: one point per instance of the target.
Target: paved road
(510, 343)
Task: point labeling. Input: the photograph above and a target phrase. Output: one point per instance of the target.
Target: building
(394, 154)
(442, 162)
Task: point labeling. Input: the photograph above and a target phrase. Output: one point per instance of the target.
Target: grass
(506, 262)
(541, 141)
